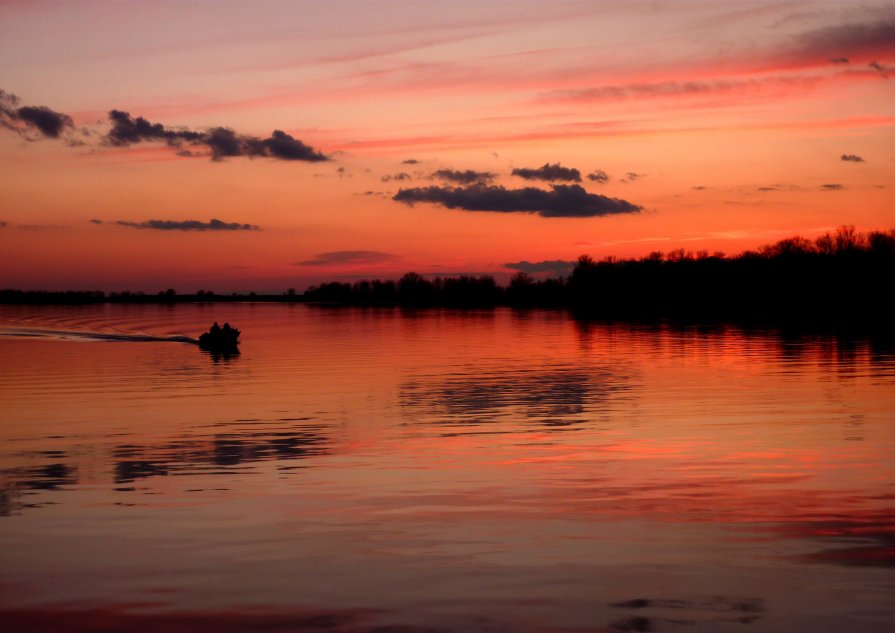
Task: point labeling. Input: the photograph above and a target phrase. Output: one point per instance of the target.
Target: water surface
(385, 470)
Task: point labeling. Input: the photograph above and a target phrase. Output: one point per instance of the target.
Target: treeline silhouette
(844, 276)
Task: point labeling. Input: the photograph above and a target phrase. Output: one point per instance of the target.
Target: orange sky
(718, 127)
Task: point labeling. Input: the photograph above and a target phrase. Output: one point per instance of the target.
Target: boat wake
(86, 335)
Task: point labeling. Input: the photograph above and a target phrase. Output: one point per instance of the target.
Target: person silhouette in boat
(216, 329)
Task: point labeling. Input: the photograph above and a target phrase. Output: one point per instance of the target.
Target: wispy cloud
(598, 175)
(465, 177)
(765, 86)
(348, 257)
(549, 173)
(852, 158)
(778, 187)
(187, 225)
(552, 267)
(842, 42)
(561, 201)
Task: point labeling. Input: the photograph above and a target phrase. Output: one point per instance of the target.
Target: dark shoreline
(842, 280)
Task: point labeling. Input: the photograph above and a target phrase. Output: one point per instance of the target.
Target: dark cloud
(410, 161)
(549, 172)
(96, 221)
(348, 257)
(189, 225)
(699, 188)
(49, 122)
(285, 147)
(127, 130)
(632, 177)
(875, 65)
(553, 267)
(852, 158)
(41, 118)
(839, 60)
(466, 177)
(562, 201)
(222, 141)
(399, 176)
(3, 224)
(845, 41)
(225, 143)
(835, 186)
(598, 175)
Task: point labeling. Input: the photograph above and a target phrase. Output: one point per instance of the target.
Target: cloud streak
(842, 42)
(553, 267)
(561, 201)
(348, 257)
(465, 177)
(126, 130)
(549, 172)
(221, 141)
(188, 225)
(852, 158)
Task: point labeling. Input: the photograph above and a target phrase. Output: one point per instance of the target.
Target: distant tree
(881, 243)
(789, 247)
(847, 239)
(679, 255)
(825, 244)
(414, 288)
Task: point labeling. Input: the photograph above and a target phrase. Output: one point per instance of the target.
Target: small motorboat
(219, 338)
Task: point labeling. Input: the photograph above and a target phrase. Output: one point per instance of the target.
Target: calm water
(380, 470)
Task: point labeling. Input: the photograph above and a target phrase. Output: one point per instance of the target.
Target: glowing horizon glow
(734, 119)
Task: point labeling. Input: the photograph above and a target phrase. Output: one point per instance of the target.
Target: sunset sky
(240, 146)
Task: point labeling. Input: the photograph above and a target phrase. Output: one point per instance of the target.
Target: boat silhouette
(219, 338)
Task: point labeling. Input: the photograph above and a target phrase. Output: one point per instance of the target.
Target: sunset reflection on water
(357, 469)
